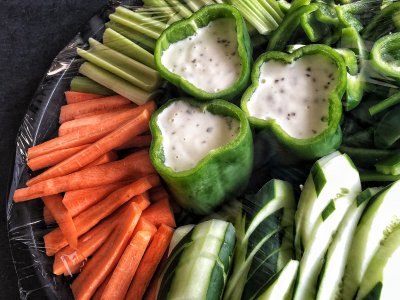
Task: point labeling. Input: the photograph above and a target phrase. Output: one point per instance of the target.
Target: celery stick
(194, 5)
(385, 104)
(140, 19)
(121, 65)
(366, 176)
(181, 9)
(119, 43)
(175, 18)
(272, 7)
(86, 85)
(114, 83)
(261, 11)
(208, 2)
(146, 30)
(389, 165)
(161, 6)
(133, 35)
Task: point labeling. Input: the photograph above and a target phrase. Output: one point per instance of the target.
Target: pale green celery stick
(259, 9)
(115, 83)
(181, 9)
(208, 2)
(121, 65)
(140, 19)
(161, 7)
(194, 5)
(86, 85)
(133, 35)
(384, 104)
(175, 18)
(119, 43)
(146, 30)
(273, 8)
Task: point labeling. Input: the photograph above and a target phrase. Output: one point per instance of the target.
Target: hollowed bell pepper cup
(187, 30)
(385, 55)
(314, 143)
(221, 174)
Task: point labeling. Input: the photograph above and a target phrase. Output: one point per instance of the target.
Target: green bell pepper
(189, 27)
(329, 138)
(356, 14)
(385, 55)
(221, 174)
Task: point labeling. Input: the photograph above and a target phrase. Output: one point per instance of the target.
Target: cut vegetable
(86, 85)
(75, 97)
(160, 213)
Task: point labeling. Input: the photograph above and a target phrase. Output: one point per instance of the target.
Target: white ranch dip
(189, 134)
(208, 59)
(295, 95)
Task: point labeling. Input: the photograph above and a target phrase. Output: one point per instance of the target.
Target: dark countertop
(31, 35)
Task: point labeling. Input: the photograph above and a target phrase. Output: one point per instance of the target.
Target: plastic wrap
(25, 220)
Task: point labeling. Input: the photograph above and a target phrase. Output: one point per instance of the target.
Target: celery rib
(114, 83)
(86, 85)
(146, 30)
(140, 19)
(181, 9)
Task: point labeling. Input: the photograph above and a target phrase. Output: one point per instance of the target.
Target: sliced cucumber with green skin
(179, 234)
(264, 233)
(198, 266)
(331, 177)
(326, 225)
(378, 220)
(335, 261)
(282, 287)
(381, 279)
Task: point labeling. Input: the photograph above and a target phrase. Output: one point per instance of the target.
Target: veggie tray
(214, 149)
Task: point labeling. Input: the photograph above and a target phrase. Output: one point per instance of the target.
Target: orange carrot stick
(158, 193)
(53, 158)
(142, 201)
(145, 225)
(96, 150)
(78, 201)
(99, 292)
(63, 219)
(47, 216)
(101, 264)
(120, 116)
(68, 261)
(75, 97)
(105, 158)
(54, 240)
(149, 263)
(160, 213)
(152, 289)
(104, 111)
(138, 141)
(70, 111)
(126, 267)
(90, 133)
(137, 164)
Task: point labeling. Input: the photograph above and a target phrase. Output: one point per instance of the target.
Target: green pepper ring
(188, 27)
(381, 48)
(329, 139)
(223, 173)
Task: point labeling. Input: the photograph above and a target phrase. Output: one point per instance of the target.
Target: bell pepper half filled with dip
(207, 55)
(297, 97)
(202, 150)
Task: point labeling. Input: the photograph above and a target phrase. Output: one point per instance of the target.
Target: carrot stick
(145, 225)
(160, 213)
(88, 134)
(138, 141)
(149, 263)
(137, 164)
(78, 201)
(75, 97)
(142, 201)
(99, 292)
(105, 158)
(158, 193)
(96, 150)
(104, 111)
(54, 240)
(63, 219)
(101, 264)
(68, 261)
(47, 216)
(70, 111)
(121, 116)
(53, 158)
(152, 289)
(126, 267)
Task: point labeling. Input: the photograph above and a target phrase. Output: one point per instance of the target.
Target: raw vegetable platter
(294, 218)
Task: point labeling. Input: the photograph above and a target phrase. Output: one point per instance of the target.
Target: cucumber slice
(265, 234)
(179, 234)
(333, 176)
(332, 274)
(200, 263)
(376, 223)
(282, 288)
(381, 278)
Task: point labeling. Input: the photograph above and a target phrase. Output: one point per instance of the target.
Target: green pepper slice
(313, 146)
(385, 55)
(188, 28)
(221, 174)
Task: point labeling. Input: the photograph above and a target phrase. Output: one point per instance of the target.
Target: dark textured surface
(31, 35)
